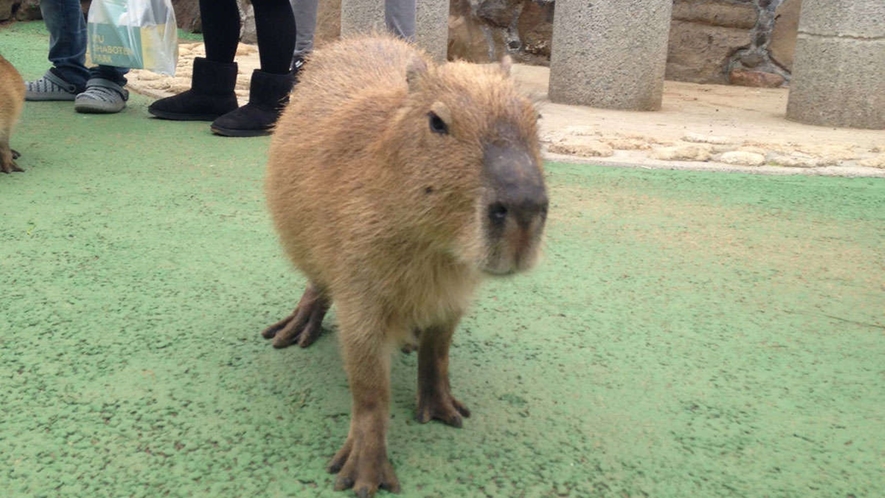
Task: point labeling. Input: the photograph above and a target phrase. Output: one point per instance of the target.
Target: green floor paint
(688, 334)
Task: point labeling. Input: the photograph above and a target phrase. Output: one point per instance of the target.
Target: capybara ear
(506, 65)
(415, 73)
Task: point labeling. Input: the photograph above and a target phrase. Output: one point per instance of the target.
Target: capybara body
(395, 185)
(12, 100)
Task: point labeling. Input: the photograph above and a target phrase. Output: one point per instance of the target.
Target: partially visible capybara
(395, 186)
(12, 99)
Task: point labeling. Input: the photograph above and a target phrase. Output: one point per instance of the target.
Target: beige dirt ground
(710, 127)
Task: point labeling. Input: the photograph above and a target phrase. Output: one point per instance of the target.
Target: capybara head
(480, 140)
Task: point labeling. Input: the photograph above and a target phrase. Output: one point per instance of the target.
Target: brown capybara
(395, 186)
(12, 99)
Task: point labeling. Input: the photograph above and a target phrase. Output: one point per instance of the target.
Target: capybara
(12, 99)
(395, 186)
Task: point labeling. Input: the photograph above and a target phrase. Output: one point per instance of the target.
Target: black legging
(274, 25)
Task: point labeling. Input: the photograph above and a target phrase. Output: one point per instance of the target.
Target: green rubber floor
(689, 334)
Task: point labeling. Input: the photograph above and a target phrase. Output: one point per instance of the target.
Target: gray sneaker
(50, 87)
(101, 97)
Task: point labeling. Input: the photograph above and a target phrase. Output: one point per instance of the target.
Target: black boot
(268, 95)
(211, 94)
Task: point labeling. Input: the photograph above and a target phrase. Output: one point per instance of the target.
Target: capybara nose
(523, 207)
(516, 183)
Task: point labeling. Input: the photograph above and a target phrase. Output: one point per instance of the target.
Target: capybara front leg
(435, 400)
(362, 462)
(304, 324)
(7, 159)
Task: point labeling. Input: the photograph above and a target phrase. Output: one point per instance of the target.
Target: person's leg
(104, 93)
(221, 29)
(275, 28)
(306, 21)
(270, 86)
(110, 73)
(214, 77)
(67, 50)
(399, 15)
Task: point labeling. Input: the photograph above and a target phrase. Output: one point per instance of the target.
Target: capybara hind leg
(304, 324)
(362, 462)
(435, 400)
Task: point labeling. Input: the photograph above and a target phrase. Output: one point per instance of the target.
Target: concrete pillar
(361, 16)
(839, 66)
(431, 28)
(610, 53)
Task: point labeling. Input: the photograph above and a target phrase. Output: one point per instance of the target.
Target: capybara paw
(9, 167)
(7, 159)
(442, 407)
(304, 324)
(15, 154)
(291, 330)
(365, 471)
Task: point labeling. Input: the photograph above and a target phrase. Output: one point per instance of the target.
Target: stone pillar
(432, 28)
(361, 16)
(610, 53)
(431, 25)
(839, 66)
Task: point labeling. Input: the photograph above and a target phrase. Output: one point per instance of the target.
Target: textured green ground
(689, 334)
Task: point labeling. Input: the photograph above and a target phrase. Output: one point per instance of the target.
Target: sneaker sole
(93, 110)
(96, 109)
(50, 97)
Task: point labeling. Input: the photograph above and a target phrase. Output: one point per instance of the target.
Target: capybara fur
(12, 100)
(396, 185)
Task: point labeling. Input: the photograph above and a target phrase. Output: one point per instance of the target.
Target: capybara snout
(515, 207)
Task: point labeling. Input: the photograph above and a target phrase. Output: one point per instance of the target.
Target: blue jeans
(67, 45)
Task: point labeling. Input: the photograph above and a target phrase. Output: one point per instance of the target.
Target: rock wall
(21, 10)
(486, 30)
(745, 42)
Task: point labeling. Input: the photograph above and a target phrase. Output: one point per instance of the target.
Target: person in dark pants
(211, 96)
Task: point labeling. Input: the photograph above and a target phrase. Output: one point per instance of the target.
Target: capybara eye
(437, 125)
(497, 212)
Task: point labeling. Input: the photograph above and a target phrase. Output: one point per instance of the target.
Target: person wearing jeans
(94, 90)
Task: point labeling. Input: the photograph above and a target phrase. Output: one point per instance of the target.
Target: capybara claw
(303, 325)
(364, 468)
(343, 482)
(444, 408)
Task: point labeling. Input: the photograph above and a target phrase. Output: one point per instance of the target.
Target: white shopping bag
(138, 34)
